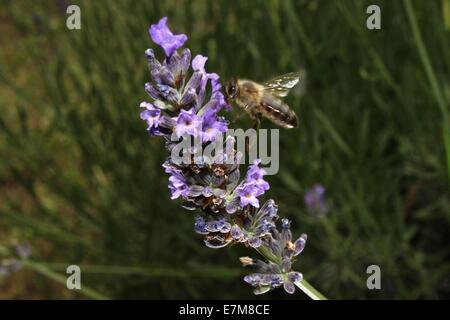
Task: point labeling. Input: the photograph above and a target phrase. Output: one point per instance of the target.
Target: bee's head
(231, 90)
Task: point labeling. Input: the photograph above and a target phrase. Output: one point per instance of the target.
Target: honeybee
(264, 100)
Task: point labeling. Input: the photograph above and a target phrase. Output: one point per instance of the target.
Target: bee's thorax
(249, 94)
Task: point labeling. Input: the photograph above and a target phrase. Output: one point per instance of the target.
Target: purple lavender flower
(315, 201)
(255, 176)
(253, 186)
(212, 127)
(248, 194)
(151, 115)
(162, 36)
(178, 186)
(177, 183)
(188, 123)
(198, 63)
(215, 84)
(217, 100)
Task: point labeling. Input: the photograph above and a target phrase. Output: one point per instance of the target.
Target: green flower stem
(310, 290)
(45, 271)
(266, 253)
(303, 285)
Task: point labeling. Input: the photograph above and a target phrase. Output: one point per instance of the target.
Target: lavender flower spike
(186, 100)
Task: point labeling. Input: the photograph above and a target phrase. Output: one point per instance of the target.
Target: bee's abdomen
(278, 112)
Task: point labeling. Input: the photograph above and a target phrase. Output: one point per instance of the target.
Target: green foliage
(81, 180)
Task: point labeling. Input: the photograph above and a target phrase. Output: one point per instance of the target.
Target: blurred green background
(82, 183)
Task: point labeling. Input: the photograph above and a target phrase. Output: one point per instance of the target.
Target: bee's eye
(231, 90)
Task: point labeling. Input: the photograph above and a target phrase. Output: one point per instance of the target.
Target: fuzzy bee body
(264, 100)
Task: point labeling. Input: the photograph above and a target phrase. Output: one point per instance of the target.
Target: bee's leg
(257, 122)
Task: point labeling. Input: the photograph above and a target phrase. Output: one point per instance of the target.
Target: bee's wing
(281, 85)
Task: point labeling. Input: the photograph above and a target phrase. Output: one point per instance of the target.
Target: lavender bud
(194, 82)
(236, 232)
(254, 242)
(195, 190)
(152, 62)
(300, 244)
(188, 97)
(200, 226)
(289, 287)
(286, 264)
(216, 242)
(152, 91)
(295, 276)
